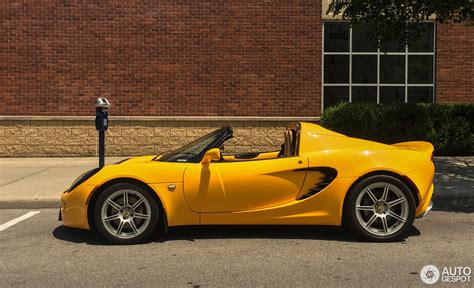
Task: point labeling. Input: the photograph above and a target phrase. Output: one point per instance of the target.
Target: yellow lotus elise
(319, 177)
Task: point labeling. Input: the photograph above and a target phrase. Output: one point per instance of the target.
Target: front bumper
(73, 210)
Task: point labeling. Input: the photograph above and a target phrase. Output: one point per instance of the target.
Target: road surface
(39, 251)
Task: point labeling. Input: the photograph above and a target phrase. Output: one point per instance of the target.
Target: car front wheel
(125, 214)
(380, 208)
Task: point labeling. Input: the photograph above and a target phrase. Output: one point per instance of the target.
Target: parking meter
(101, 124)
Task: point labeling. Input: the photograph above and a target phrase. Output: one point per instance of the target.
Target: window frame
(377, 53)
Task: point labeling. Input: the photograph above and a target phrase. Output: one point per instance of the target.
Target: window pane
(335, 94)
(392, 47)
(420, 69)
(392, 69)
(391, 94)
(424, 41)
(363, 39)
(336, 37)
(336, 69)
(364, 69)
(364, 94)
(420, 94)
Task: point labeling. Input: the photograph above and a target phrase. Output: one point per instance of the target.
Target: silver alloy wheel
(381, 209)
(126, 213)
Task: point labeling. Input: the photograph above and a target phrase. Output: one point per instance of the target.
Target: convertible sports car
(319, 177)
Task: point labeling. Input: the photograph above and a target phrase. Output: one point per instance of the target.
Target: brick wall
(177, 58)
(63, 138)
(455, 63)
(173, 58)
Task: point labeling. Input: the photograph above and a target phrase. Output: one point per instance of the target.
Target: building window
(356, 71)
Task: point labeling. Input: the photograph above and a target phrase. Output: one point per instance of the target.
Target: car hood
(142, 168)
(138, 159)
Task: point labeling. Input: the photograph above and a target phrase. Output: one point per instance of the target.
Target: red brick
(225, 58)
(454, 63)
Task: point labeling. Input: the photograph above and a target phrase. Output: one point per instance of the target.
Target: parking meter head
(101, 114)
(102, 103)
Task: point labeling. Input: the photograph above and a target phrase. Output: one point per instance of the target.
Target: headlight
(83, 178)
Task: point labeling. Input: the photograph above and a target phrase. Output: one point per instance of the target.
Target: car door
(243, 185)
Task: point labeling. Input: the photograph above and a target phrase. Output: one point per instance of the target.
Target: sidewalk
(38, 182)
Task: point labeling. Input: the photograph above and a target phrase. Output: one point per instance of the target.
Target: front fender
(151, 172)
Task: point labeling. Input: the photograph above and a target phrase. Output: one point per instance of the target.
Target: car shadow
(193, 233)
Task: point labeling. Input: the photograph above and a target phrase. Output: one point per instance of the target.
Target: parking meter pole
(101, 124)
(101, 149)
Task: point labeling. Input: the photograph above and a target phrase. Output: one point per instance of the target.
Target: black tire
(352, 219)
(134, 191)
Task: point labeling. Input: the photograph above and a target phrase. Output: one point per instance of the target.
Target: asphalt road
(40, 252)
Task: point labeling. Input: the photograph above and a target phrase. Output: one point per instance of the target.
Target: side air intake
(328, 174)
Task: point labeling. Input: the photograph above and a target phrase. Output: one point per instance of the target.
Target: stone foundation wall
(65, 138)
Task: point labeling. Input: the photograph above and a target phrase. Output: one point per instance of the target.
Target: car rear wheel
(380, 208)
(126, 214)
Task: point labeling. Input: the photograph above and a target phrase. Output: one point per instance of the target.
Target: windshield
(193, 151)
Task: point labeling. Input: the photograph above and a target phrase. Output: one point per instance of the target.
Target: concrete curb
(29, 204)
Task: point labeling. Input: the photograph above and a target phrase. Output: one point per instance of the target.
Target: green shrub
(448, 127)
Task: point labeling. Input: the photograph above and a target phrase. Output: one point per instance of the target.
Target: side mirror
(213, 154)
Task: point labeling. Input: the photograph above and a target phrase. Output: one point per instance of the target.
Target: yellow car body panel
(233, 186)
(321, 209)
(265, 189)
(74, 206)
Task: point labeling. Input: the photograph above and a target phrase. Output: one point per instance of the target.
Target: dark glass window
(424, 40)
(420, 69)
(336, 37)
(363, 39)
(392, 69)
(364, 69)
(336, 69)
(392, 47)
(394, 73)
(420, 94)
(335, 94)
(392, 94)
(367, 94)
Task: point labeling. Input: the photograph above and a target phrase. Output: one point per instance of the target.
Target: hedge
(449, 127)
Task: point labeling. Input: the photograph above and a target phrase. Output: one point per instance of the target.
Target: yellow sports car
(319, 177)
